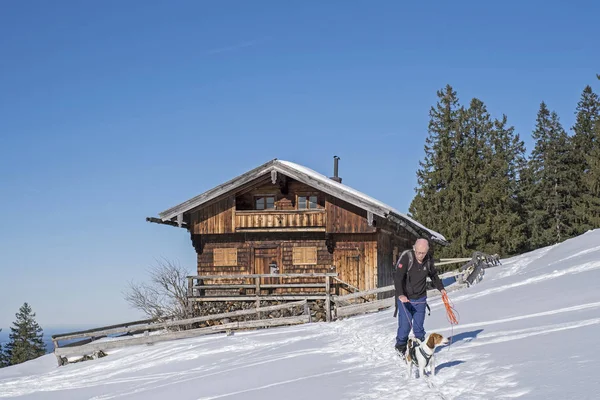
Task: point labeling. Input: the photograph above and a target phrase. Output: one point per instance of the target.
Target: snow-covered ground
(529, 330)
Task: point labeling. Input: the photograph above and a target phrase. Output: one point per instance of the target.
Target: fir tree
(585, 141)
(432, 201)
(26, 341)
(3, 360)
(551, 182)
(505, 226)
(472, 161)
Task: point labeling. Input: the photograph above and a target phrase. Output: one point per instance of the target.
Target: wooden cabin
(286, 218)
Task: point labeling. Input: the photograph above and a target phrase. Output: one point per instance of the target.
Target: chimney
(335, 176)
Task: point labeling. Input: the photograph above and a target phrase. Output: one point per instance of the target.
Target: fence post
(307, 311)
(257, 292)
(327, 300)
(190, 294)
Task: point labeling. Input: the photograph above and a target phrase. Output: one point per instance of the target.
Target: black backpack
(410, 264)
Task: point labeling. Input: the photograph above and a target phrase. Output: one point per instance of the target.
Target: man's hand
(403, 299)
(443, 291)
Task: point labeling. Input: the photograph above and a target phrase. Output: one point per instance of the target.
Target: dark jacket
(414, 283)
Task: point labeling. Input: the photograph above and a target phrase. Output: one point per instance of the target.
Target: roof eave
(216, 191)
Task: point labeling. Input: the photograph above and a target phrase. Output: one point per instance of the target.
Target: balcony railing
(279, 219)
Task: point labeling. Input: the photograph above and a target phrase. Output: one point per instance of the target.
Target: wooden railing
(468, 274)
(311, 286)
(91, 342)
(282, 219)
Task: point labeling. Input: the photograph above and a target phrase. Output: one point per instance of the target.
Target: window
(226, 257)
(264, 202)
(307, 202)
(304, 256)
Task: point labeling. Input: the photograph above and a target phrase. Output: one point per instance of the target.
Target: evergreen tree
(551, 182)
(472, 165)
(505, 226)
(26, 341)
(586, 143)
(433, 202)
(3, 360)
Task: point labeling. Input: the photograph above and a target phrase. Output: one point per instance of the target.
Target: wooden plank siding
(248, 247)
(343, 217)
(390, 246)
(214, 218)
(355, 259)
(286, 195)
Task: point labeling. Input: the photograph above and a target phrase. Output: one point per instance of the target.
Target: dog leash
(450, 313)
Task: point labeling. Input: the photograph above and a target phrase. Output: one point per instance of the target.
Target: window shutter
(225, 257)
(304, 256)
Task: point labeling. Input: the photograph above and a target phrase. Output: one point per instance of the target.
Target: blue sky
(114, 111)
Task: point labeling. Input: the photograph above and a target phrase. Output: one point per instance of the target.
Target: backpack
(409, 266)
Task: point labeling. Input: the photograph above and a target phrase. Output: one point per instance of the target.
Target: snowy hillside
(529, 330)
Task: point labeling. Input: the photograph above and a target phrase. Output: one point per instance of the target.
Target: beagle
(421, 353)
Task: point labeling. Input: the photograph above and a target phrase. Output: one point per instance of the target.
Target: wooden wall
(355, 259)
(390, 246)
(285, 195)
(343, 217)
(214, 218)
(247, 243)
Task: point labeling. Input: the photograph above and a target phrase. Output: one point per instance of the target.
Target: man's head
(421, 248)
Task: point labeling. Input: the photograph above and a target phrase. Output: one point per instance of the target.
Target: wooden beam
(248, 276)
(369, 218)
(273, 177)
(254, 298)
(170, 223)
(307, 229)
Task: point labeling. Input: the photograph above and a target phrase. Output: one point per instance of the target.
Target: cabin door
(348, 267)
(266, 261)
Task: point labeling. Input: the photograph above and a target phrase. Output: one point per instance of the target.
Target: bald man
(411, 291)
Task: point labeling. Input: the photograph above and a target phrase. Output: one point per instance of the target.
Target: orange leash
(450, 310)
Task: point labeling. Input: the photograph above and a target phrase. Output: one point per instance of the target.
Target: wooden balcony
(279, 220)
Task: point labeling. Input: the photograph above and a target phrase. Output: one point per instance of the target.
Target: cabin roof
(313, 179)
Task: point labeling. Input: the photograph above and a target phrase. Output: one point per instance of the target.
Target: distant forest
(477, 185)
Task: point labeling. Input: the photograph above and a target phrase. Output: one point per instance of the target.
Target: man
(411, 291)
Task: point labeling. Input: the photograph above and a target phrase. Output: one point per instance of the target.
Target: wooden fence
(92, 344)
(251, 287)
(366, 301)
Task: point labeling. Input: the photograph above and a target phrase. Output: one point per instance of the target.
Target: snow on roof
(314, 179)
(365, 197)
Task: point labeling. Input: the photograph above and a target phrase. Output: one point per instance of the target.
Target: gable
(276, 171)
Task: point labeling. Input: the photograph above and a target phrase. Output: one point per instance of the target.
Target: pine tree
(585, 141)
(551, 182)
(26, 335)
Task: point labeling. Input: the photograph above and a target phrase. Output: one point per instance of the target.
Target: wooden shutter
(304, 256)
(225, 257)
